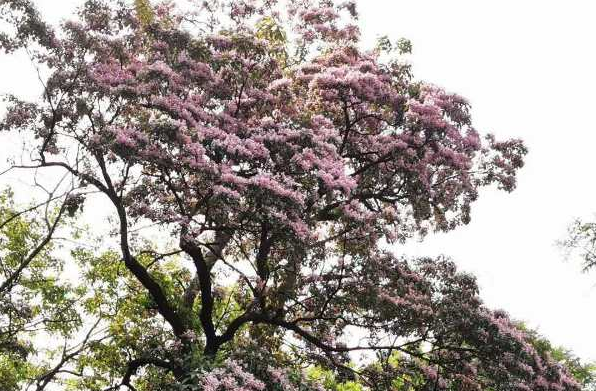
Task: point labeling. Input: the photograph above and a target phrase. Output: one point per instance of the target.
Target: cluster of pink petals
(230, 377)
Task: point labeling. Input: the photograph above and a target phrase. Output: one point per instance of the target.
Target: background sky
(529, 69)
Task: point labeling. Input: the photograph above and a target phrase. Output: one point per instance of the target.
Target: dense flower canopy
(284, 159)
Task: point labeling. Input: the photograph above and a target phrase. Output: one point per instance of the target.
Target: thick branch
(263, 254)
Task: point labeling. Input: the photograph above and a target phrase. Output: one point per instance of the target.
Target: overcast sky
(529, 69)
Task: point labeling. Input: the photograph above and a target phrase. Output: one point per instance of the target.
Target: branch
(14, 276)
(46, 378)
(134, 365)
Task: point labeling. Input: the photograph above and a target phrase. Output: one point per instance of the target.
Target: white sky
(529, 69)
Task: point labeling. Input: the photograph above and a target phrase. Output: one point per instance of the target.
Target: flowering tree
(283, 160)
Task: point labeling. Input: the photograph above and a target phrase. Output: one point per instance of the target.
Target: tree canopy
(279, 164)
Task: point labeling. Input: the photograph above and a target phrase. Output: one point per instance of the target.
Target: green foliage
(402, 45)
(268, 29)
(35, 302)
(329, 380)
(581, 242)
(144, 11)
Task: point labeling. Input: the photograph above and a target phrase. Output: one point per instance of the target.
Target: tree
(36, 303)
(279, 161)
(581, 241)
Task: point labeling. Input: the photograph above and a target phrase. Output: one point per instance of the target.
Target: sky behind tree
(528, 70)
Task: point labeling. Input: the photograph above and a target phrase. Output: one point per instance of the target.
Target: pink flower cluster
(230, 377)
